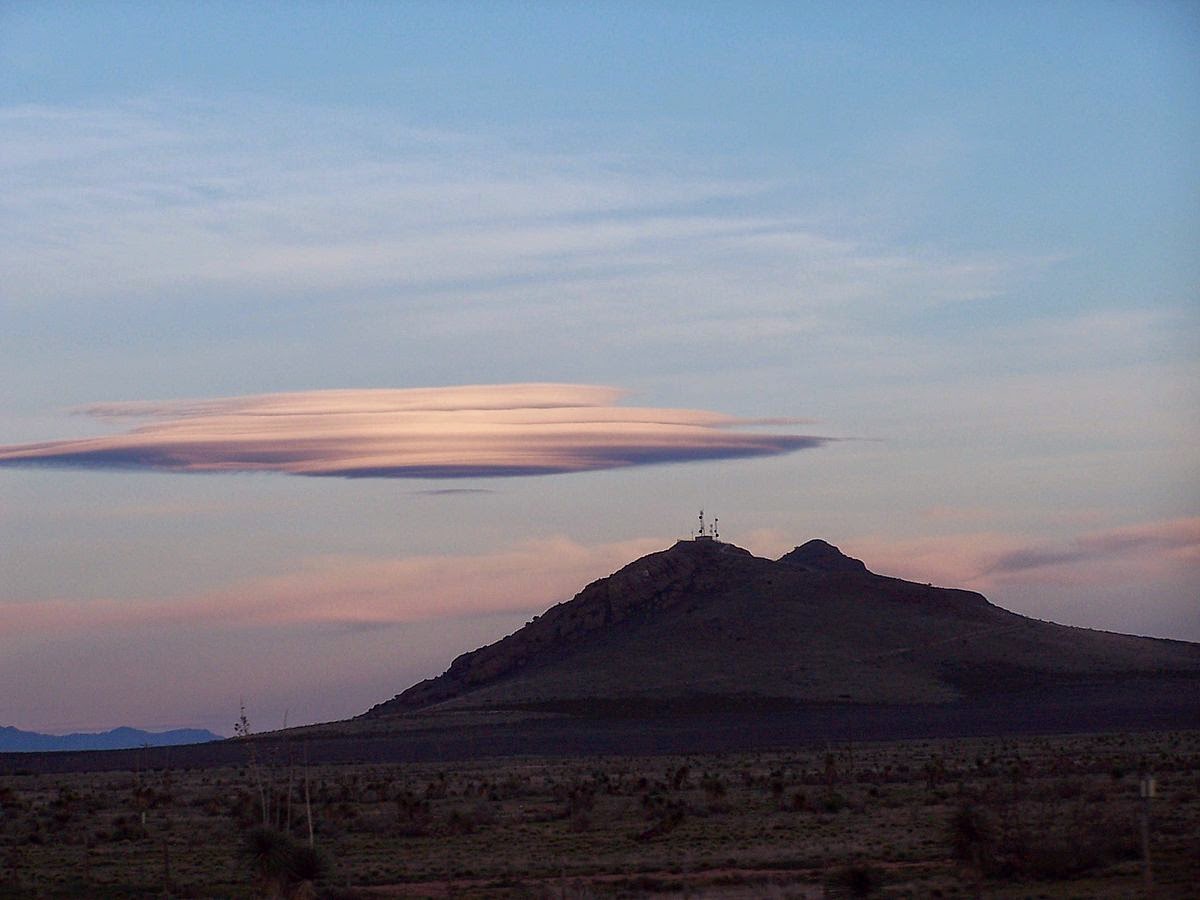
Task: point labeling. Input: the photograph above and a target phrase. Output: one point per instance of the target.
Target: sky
(337, 339)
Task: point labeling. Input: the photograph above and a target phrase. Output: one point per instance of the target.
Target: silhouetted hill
(13, 740)
(707, 625)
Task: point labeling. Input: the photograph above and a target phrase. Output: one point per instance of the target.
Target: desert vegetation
(1044, 817)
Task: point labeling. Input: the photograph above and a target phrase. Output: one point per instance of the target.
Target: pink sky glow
(356, 591)
(535, 574)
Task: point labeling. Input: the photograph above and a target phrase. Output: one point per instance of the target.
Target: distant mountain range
(13, 740)
(707, 625)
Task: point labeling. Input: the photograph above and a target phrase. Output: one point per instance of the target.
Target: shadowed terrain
(707, 627)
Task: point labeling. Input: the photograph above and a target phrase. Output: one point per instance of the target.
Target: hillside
(706, 624)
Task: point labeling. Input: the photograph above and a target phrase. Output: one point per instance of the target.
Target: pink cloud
(1175, 540)
(448, 432)
(986, 559)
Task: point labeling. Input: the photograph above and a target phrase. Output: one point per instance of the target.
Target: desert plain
(1046, 816)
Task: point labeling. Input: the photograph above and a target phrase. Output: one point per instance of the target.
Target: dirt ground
(1029, 816)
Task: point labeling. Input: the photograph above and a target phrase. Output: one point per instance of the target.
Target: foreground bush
(1016, 849)
(282, 866)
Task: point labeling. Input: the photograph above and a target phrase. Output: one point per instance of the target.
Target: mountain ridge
(707, 619)
(15, 740)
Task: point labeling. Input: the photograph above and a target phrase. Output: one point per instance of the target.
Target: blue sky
(958, 241)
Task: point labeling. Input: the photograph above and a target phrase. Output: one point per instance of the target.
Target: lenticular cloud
(447, 432)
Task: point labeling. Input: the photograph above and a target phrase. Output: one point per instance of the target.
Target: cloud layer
(447, 432)
(989, 561)
(354, 591)
(1176, 539)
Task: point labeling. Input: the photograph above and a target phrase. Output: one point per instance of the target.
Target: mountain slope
(708, 621)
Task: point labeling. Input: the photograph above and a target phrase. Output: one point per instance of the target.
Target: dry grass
(1053, 817)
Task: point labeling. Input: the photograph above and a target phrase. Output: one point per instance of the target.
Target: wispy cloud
(143, 201)
(1175, 539)
(354, 591)
(989, 560)
(448, 432)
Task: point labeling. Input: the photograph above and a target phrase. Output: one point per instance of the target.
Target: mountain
(706, 624)
(13, 740)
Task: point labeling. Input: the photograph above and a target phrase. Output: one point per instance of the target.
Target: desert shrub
(833, 802)
(578, 798)
(1050, 856)
(413, 815)
(854, 880)
(268, 852)
(371, 822)
(663, 815)
(972, 835)
(484, 814)
(1016, 849)
(460, 822)
(281, 865)
(128, 828)
(509, 789)
(713, 786)
(209, 803)
(309, 863)
(437, 789)
(243, 807)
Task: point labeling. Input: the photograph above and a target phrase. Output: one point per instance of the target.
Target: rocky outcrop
(821, 556)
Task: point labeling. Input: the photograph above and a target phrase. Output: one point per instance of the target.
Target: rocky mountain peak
(707, 619)
(821, 556)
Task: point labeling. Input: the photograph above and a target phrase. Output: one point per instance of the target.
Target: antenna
(715, 535)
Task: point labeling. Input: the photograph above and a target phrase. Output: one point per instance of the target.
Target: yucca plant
(282, 866)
